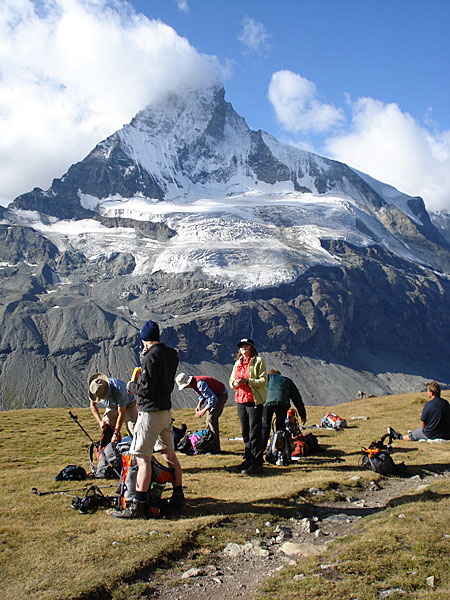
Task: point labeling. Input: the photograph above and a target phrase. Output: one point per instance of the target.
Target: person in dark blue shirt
(435, 418)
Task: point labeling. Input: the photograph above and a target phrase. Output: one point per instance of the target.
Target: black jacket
(155, 383)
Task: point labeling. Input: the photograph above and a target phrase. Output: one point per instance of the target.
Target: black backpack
(377, 457)
(279, 450)
(380, 462)
(199, 442)
(178, 433)
(204, 443)
(71, 473)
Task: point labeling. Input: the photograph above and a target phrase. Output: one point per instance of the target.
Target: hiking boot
(177, 503)
(238, 468)
(134, 510)
(253, 470)
(394, 434)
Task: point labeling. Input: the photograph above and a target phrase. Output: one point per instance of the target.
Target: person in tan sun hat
(120, 406)
(212, 396)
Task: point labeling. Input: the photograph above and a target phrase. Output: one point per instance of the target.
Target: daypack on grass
(93, 499)
(279, 449)
(377, 457)
(71, 473)
(199, 442)
(202, 441)
(332, 421)
(304, 445)
(185, 445)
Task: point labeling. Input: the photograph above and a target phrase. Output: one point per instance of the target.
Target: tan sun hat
(183, 380)
(98, 387)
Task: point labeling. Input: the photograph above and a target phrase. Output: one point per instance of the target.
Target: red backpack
(302, 445)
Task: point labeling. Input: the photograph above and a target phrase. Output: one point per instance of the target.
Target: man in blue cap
(153, 430)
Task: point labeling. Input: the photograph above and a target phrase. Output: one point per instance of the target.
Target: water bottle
(279, 458)
(156, 490)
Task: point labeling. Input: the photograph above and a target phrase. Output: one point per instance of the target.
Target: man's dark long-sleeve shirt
(154, 386)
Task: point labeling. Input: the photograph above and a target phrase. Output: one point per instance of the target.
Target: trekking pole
(38, 493)
(48, 492)
(96, 444)
(75, 419)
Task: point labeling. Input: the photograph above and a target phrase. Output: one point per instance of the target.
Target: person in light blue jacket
(120, 406)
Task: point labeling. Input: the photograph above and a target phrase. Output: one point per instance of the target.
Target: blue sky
(365, 82)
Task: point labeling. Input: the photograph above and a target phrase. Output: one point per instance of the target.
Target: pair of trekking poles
(94, 494)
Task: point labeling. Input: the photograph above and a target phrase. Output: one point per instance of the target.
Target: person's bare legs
(172, 460)
(144, 473)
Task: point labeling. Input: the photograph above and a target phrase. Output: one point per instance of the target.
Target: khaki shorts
(153, 432)
(131, 415)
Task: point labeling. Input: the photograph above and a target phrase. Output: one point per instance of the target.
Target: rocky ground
(240, 569)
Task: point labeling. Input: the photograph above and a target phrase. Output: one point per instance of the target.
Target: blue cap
(149, 332)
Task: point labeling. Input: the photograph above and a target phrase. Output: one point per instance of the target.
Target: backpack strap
(273, 424)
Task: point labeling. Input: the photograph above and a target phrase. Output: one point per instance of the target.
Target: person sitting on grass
(435, 419)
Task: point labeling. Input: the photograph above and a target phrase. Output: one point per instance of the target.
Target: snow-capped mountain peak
(192, 164)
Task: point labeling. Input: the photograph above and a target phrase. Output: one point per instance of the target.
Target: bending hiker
(249, 380)
(281, 391)
(435, 418)
(153, 431)
(120, 405)
(212, 397)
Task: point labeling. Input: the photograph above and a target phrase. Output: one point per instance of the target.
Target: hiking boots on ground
(238, 468)
(395, 435)
(134, 510)
(177, 503)
(253, 470)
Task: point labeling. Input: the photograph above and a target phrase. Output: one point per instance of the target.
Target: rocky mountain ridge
(218, 232)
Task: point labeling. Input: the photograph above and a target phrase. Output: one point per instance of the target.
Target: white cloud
(74, 71)
(392, 147)
(183, 5)
(296, 104)
(254, 35)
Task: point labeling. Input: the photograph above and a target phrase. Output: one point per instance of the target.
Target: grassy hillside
(50, 551)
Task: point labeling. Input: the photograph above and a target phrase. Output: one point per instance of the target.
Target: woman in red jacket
(249, 380)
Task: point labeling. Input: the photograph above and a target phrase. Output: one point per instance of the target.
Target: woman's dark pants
(250, 416)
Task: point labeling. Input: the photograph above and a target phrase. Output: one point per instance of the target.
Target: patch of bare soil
(240, 569)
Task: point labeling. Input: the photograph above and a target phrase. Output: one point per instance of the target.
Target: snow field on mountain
(250, 240)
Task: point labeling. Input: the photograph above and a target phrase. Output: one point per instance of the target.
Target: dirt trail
(239, 570)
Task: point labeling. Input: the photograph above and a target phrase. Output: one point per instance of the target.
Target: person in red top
(212, 396)
(249, 380)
